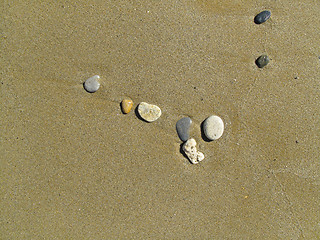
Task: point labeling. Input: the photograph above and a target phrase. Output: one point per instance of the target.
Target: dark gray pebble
(262, 61)
(262, 17)
(183, 126)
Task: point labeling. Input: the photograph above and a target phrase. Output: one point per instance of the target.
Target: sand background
(74, 167)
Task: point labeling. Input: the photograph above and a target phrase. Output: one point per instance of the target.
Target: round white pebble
(213, 127)
(149, 112)
(92, 84)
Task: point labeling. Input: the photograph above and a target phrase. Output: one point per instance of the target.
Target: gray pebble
(262, 17)
(262, 61)
(92, 84)
(183, 126)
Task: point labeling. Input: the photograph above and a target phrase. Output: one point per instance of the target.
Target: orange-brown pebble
(126, 105)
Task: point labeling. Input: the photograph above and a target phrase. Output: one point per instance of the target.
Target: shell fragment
(189, 148)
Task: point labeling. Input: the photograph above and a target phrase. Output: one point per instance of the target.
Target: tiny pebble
(182, 127)
(213, 127)
(262, 61)
(92, 84)
(189, 148)
(126, 105)
(262, 17)
(149, 112)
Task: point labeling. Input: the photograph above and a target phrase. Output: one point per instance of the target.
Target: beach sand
(74, 167)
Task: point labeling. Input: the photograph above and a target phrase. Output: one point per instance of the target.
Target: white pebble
(213, 127)
(92, 84)
(149, 112)
(189, 148)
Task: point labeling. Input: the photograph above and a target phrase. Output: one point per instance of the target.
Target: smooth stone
(126, 105)
(92, 84)
(262, 61)
(149, 112)
(183, 126)
(213, 127)
(262, 17)
(190, 149)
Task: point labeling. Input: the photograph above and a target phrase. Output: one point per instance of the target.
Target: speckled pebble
(183, 126)
(92, 84)
(262, 17)
(262, 61)
(213, 127)
(126, 105)
(149, 112)
(189, 148)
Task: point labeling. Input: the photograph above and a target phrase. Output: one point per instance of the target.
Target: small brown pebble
(126, 105)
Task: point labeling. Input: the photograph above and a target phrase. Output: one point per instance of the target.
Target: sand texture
(73, 166)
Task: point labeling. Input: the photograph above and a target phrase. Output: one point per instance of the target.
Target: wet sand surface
(74, 167)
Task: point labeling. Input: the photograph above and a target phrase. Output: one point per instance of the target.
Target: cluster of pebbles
(147, 112)
(213, 126)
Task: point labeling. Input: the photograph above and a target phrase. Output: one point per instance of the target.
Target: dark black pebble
(182, 127)
(262, 17)
(262, 61)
